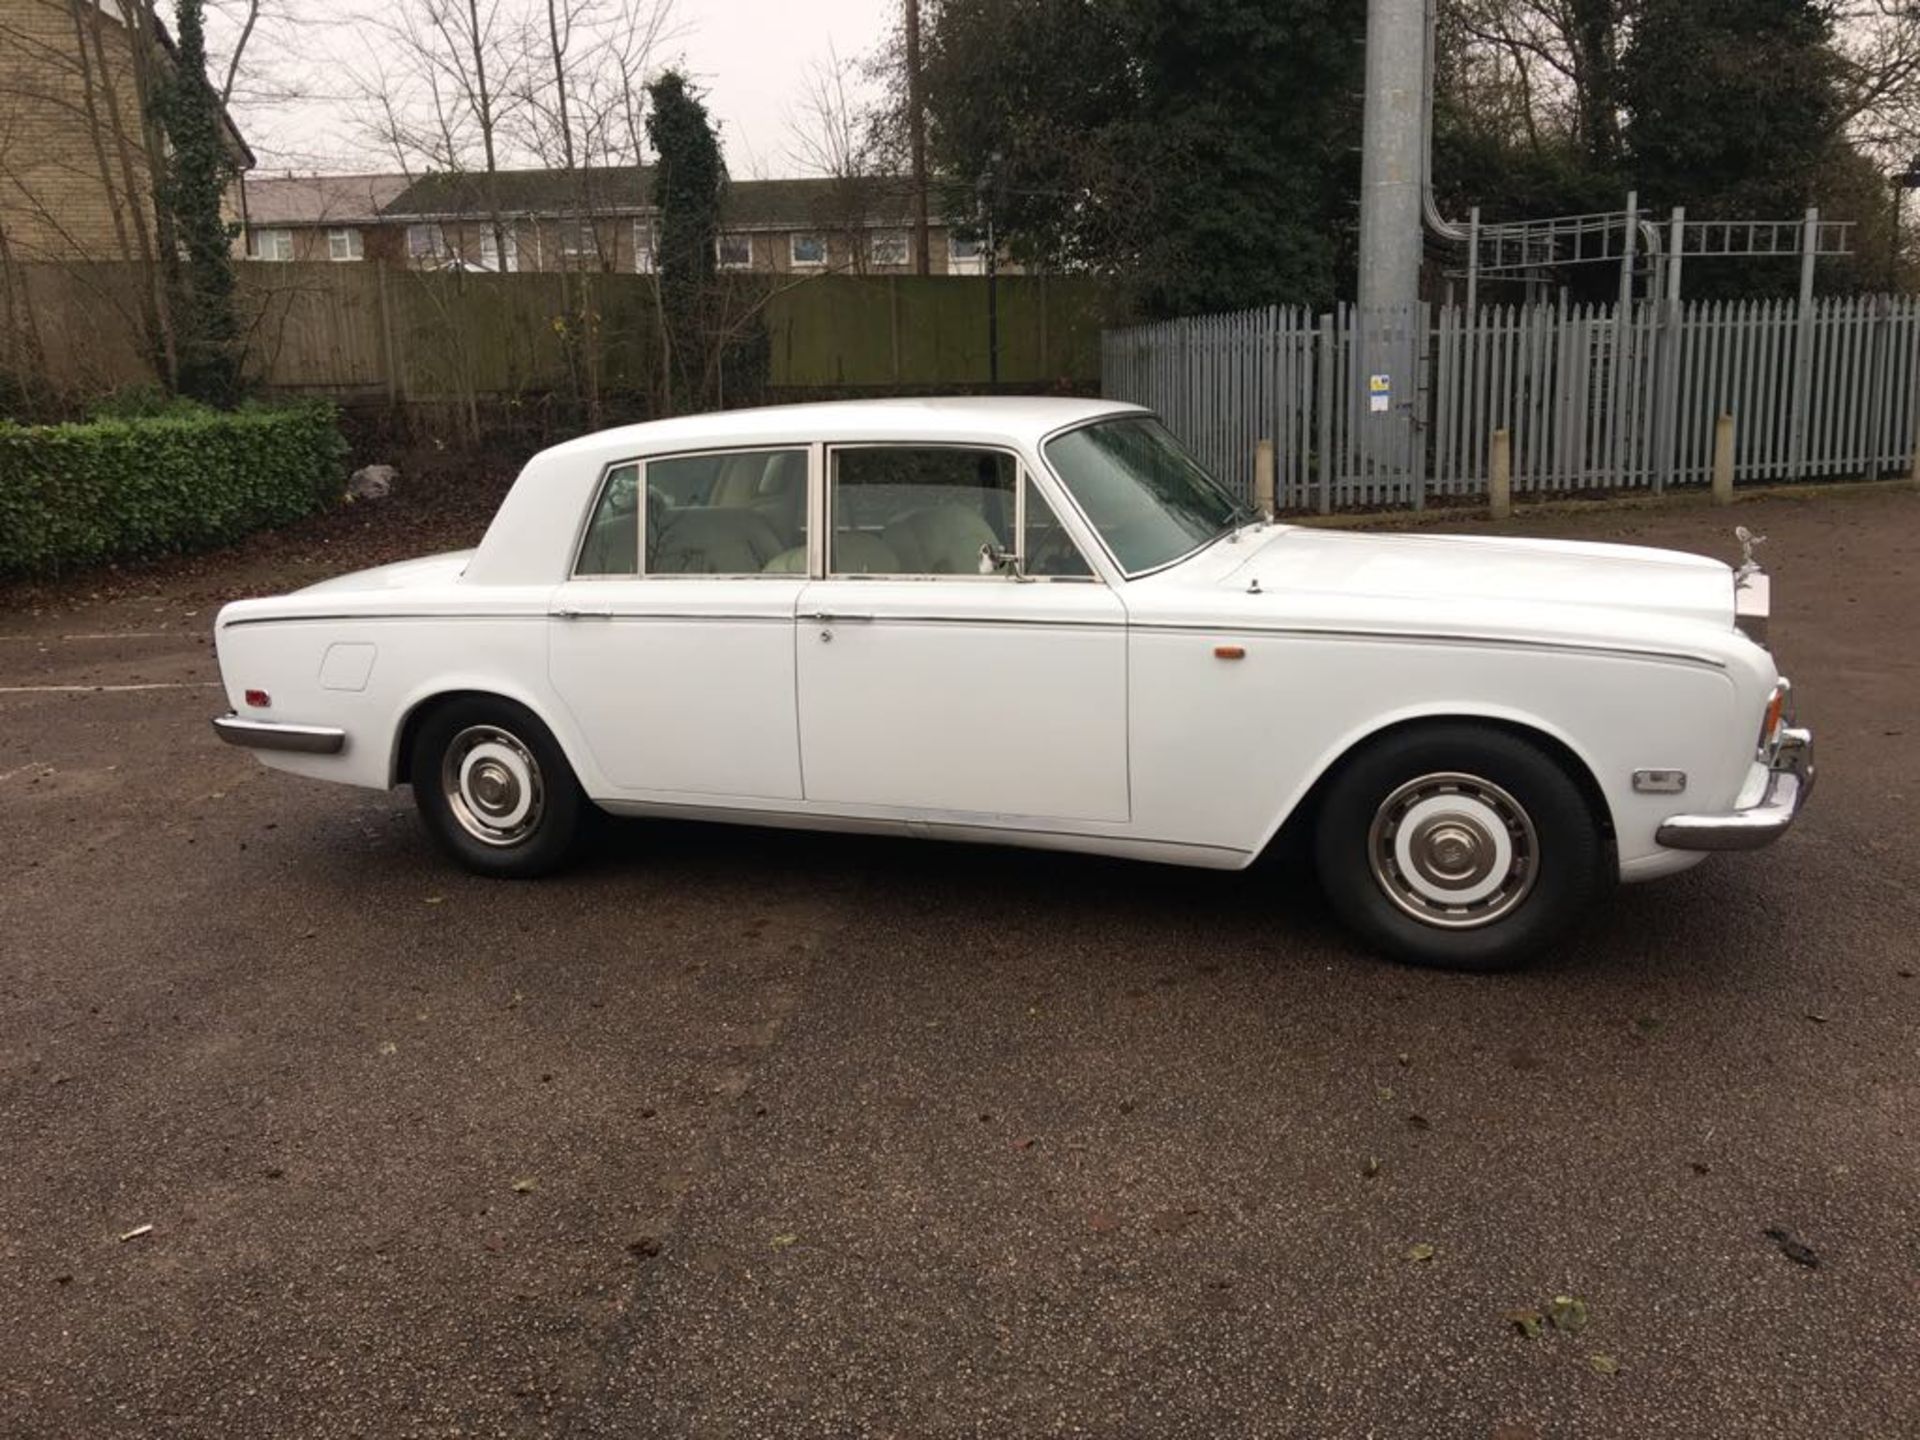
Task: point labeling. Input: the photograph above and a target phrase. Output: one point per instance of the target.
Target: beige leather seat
(940, 540)
(715, 542)
(854, 553)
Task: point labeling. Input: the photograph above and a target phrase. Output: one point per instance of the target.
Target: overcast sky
(751, 56)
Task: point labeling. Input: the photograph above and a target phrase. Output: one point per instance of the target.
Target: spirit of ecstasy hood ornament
(1749, 542)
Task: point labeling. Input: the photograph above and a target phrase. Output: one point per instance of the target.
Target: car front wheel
(495, 789)
(1459, 845)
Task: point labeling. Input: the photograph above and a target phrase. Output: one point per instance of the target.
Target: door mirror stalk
(996, 561)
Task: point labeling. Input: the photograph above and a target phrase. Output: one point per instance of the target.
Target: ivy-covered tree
(192, 191)
(690, 178)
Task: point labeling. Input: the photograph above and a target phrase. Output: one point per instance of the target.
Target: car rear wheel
(495, 789)
(1459, 845)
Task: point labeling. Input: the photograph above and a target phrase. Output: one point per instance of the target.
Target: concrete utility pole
(1392, 166)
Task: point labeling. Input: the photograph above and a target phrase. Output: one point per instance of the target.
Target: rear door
(672, 644)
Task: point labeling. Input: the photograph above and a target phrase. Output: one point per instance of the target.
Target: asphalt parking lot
(748, 1135)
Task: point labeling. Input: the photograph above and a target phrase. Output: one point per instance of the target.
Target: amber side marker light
(259, 699)
(1776, 711)
(1229, 652)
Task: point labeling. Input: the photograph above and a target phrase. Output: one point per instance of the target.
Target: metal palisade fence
(1397, 408)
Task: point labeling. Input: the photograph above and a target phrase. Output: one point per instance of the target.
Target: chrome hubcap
(1453, 851)
(492, 785)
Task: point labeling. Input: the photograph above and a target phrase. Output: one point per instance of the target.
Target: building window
(272, 245)
(643, 262)
(490, 249)
(807, 252)
(733, 252)
(344, 245)
(425, 242)
(966, 254)
(577, 241)
(890, 247)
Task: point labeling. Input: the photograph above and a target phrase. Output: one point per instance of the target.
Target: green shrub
(75, 495)
(144, 402)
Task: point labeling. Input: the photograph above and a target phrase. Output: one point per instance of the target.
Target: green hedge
(75, 495)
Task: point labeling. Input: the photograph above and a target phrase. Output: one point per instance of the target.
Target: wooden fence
(374, 332)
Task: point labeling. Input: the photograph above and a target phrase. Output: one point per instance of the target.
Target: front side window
(733, 252)
(643, 247)
(425, 242)
(1151, 502)
(1047, 550)
(273, 245)
(808, 252)
(890, 247)
(343, 245)
(912, 510)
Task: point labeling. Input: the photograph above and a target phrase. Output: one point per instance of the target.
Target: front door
(929, 688)
(672, 645)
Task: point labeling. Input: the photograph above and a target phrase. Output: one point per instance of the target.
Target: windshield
(1146, 496)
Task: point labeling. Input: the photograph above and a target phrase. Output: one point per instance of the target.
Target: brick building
(75, 182)
(597, 219)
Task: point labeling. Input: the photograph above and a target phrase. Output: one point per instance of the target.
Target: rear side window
(612, 546)
(738, 512)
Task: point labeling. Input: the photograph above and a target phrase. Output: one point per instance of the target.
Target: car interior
(897, 510)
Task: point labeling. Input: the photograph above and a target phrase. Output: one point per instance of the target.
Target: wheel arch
(432, 698)
(1550, 738)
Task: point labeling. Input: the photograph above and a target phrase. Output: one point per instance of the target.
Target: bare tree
(833, 136)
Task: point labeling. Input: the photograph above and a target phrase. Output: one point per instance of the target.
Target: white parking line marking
(99, 635)
(107, 689)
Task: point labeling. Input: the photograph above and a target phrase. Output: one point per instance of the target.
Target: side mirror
(996, 561)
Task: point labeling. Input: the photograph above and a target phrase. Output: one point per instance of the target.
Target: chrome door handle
(827, 617)
(572, 612)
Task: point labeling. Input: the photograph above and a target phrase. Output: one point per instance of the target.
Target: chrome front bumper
(272, 735)
(1789, 783)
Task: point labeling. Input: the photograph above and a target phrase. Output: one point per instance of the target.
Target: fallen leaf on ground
(1568, 1314)
(1419, 1122)
(1420, 1252)
(136, 1233)
(1371, 1168)
(1816, 1017)
(1103, 1221)
(1025, 1142)
(525, 1186)
(436, 899)
(1604, 1364)
(1793, 1249)
(1386, 1092)
(387, 1047)
(781, 1242)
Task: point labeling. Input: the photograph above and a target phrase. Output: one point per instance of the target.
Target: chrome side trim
(356, 617)
(1425, 637)
(273, 735)
(1789, 783)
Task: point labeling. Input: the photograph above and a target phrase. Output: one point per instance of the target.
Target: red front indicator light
(259, 699)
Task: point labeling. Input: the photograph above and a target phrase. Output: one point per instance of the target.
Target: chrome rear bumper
(1789, 783)
(273, 735)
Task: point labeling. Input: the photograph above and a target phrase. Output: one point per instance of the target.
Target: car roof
(1007, 419)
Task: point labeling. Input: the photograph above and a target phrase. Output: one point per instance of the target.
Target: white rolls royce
(1038, 622)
